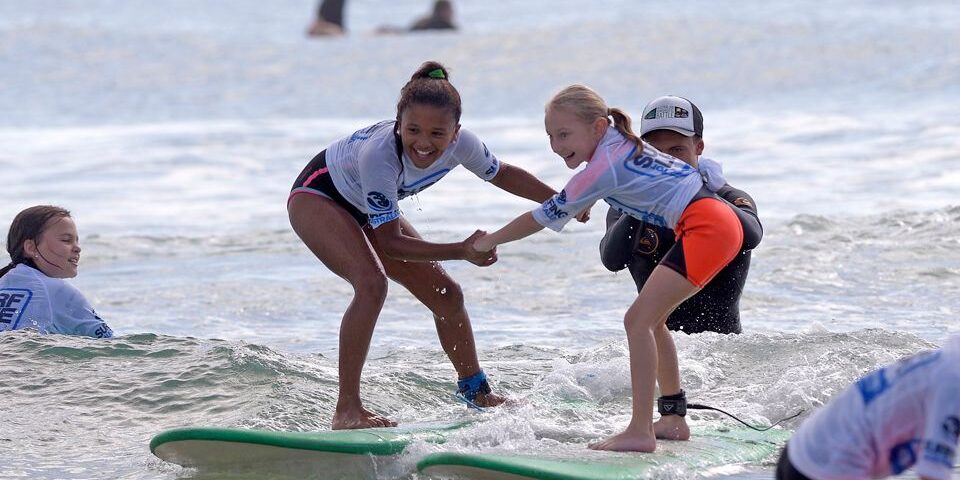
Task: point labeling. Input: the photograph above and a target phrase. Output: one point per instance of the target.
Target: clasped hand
(480, 254)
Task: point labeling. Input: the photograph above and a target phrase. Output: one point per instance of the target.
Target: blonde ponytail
(621, 121)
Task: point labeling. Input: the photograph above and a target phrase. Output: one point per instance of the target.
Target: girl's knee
(639, 323)
(371, 286)
(449, 296)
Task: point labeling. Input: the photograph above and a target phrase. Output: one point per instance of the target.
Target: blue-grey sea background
(173, 130)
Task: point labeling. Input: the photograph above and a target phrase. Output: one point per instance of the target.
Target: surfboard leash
(697, 406)
(676, 404)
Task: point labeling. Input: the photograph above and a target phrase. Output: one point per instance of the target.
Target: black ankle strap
(673, 404)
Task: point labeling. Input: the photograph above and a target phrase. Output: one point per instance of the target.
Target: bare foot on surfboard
(671, 427)
(628, 441)
(488, 400)
(362, 418)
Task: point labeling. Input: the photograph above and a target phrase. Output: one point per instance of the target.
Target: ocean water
(174, 129)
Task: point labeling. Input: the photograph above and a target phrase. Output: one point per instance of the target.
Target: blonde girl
(653, 187)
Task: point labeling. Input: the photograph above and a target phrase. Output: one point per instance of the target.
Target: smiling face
(572, 138)
(426, 132)
(676, 145)
(56, 252)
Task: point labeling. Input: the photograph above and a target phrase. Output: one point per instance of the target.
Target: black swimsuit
(315, 179)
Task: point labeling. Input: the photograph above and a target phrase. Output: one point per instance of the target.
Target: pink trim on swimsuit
(314, 175)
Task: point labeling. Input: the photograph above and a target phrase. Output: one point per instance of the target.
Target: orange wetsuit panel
(709, 236)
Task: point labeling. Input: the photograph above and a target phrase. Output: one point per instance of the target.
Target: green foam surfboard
(344, 452)
(708, 447)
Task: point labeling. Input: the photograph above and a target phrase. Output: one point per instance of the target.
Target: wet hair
(29, 225)
(430, 85)
(588, 106)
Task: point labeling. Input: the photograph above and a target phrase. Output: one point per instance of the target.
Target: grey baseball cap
(672, 113)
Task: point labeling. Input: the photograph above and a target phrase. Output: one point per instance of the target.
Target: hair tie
(437, 73)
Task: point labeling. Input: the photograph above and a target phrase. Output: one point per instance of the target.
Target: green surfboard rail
(372, 441)
(710, 448)
(338, 442)
(533, 467)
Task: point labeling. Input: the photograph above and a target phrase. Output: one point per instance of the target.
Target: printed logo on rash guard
(902, 457)
(103, 331)
(951, 428)
(13, 301)
(552, 209)
(379, 202)
(358, 136)
(493, 168)
(364, 133)
(939, 453)
(377, 219)
(872, 385)
(486, 154)
(643, 165)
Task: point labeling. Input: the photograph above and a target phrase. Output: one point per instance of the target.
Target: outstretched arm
(520, 227)
(521, 183)
(397, 243)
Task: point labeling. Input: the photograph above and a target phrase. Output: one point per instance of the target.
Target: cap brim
(681, 131)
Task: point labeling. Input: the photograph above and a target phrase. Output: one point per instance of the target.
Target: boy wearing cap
(674, 125)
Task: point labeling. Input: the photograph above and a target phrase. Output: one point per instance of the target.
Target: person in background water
(441, 18)
(329, 20)
(44, 249)
(652, 186)
(905, 415)
(344, 206)
(640, 246)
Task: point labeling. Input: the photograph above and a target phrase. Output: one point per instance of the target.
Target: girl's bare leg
(338, 241)
(443, 296)
(671, 427)
(664, 290)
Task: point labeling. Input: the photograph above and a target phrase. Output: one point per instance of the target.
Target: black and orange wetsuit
(640, 247)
